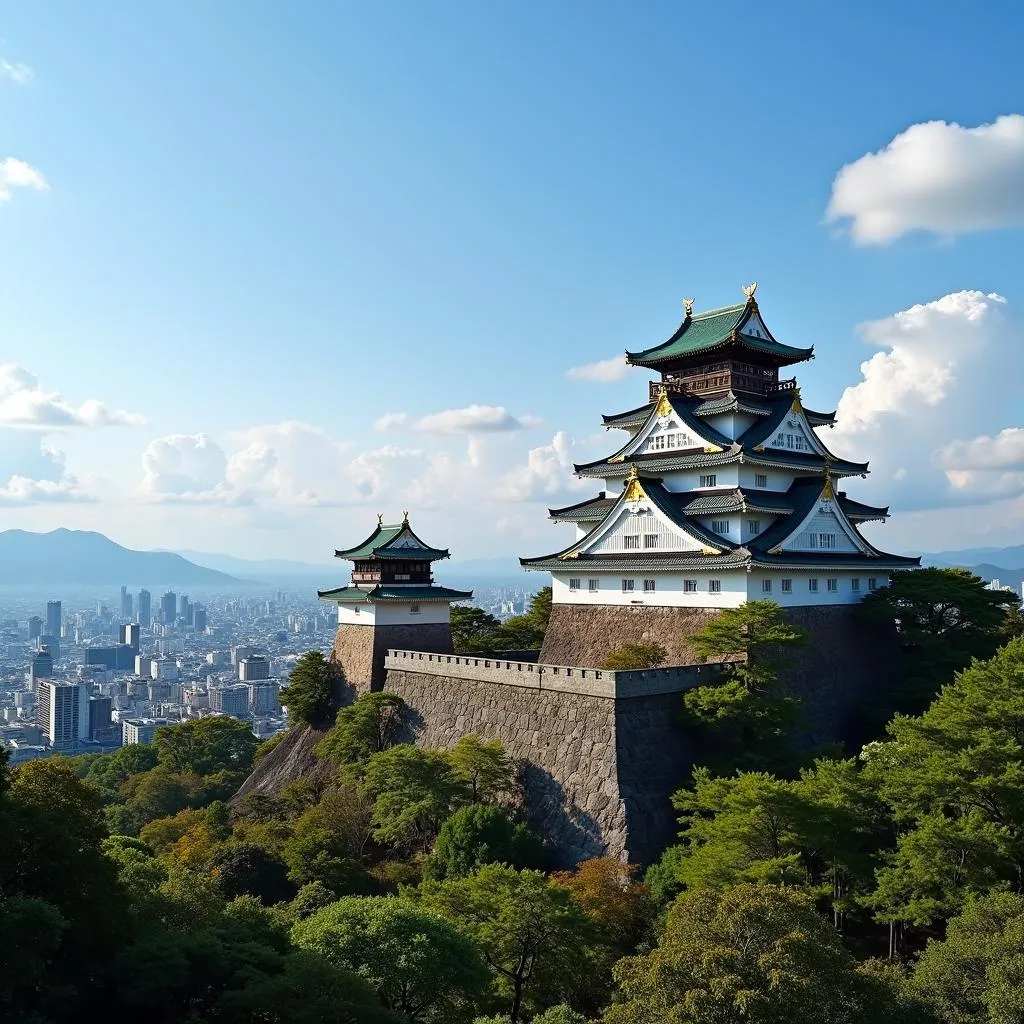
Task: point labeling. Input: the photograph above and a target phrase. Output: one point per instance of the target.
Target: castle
(722, 493)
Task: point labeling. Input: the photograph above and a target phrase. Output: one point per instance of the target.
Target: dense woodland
(880, 881)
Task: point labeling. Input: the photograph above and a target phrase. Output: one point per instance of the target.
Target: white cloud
(944, 366)
(21, 490)
(15, 173)
(935, 176)
(23, 403)
(604, 371)
(184, 467)
(547, 473)
(32, 472)
(20, 74)
(473, 419)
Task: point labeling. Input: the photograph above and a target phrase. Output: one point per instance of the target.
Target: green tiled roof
(668, 562)
(344, 595)
(730, 402)
(393, 542)
(632, 418)
(703, 332)
(388, 593)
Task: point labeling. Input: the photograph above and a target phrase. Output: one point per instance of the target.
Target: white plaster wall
(778, 479)
(392, 614)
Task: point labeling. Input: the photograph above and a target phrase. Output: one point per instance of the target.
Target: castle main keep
(723, 492)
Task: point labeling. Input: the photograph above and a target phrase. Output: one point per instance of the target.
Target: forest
(880, 878)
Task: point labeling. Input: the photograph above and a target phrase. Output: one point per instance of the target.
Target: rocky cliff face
(291, 759)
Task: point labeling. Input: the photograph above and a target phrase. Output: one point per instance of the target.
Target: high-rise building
(99, 717)
(129, 634)
(42, 666)
(35, 627)
(199, 618)
(253, 668)
(145, 609)
(62, 712)
(53, 618)
(51, 640)
(185, 608)
(169, 607)
(231, 700)
(126, 604)
(140, 730)
(263, 697)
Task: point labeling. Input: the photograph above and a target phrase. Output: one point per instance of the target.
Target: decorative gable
(639, 526)
(826, 530)
(795, 434)
(755, 328)
(665, 431)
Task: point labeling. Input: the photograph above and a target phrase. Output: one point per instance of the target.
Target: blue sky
(264, 226)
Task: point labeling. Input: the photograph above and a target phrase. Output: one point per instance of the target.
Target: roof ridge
(736, 307)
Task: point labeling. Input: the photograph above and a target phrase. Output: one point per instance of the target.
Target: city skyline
(395, 191)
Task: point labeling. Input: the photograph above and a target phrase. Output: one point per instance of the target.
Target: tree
(473, 629)
(756, 954)
(483, 766)
(364, 728)
(419, 964)
(635, 656)
(526, 631)
(531, 933)
(974, 975)
(109, 772)
(312, 685)
(205, 746)
(481, 834)
(944, 618)
(242, 868)
(157, 793)
(413, 791)
(954, 779)
(319, 855)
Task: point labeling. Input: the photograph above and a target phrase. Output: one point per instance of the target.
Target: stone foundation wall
(361, 650)
(586, 634)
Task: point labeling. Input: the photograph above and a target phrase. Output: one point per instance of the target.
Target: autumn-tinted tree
(419, 964)
(311, 691)
(477, 835)
(635, 656)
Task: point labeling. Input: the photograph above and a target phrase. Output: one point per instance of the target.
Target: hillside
(84, 557)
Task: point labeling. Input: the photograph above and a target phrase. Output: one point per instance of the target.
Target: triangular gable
(755, 328)
(666, 430)
(636, 515)
(825, 530)
(795, 434)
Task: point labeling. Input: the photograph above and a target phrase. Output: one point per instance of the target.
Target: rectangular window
(414, 609)
(787, 586)
(753, 527)
(827, 541)
(649, 586)
(812, 540)
(709, 480)
(720, 526)
(594, 585)
(766, 586)
(812, 586)
(761, 480)
(627, 586)
(871, 583)
(631, 540)
(670, 441)
(574, 584)
(855, 585)
(658, 442)
(689, 586)
(650, 540)
(833, 585)
(714, 586)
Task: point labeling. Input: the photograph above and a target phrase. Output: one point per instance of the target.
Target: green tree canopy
(530, 931)
(366, 727)
(484, 767)
(481, 834)
(205, 746)
(473, 629)
(245, 869)
(635, 656)
(312, 688)
(419, 964)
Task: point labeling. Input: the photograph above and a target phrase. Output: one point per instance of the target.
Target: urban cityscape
(80, 674)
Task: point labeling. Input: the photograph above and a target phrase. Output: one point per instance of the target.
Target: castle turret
(723, 493)
(392, 601)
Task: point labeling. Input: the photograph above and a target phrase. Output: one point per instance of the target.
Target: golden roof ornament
(795, 407)
(633, 491)
(749, 290)
(828, 492)
(664, 407)
(688, 306)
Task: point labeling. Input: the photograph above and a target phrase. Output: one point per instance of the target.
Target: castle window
(709, 480)
(787, 586)
(658, 442)
(627, 586)
(826, 541)
(414, 609)
(574, 584)
(855, 585)
(720, 526)
(670, 440)
(631, 540)
(650, 586)
(594, 585)
(714, 586)
(754, 526)
(871, 583)
(761, 480)
(833, 585)
(689, 586)
(766, 586)
(650, 540)
(812, 586)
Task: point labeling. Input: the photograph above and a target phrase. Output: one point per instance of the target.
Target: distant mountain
(268, 569)
(977, 556)
(83, 557)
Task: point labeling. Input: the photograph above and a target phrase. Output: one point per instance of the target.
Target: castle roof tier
(385, 594)
(397, 541)
(810, 509)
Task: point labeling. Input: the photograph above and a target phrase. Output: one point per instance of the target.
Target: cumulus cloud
(473, 419)
(16, 173)
(184, 467)
(604, 371)
(546, 473)
(23, 403)
(33, 472)
(935, 176)
(942, 365)
(21, 490)
(20, 74)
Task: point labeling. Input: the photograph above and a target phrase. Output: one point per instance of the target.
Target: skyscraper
(145, 609)
(126, 604)
(129, 634)
(199, 617)
(253, 668)
(185, 609)
(35, 627)
(42, 666)
(169, 607)
(62, 712)
(53, 618)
